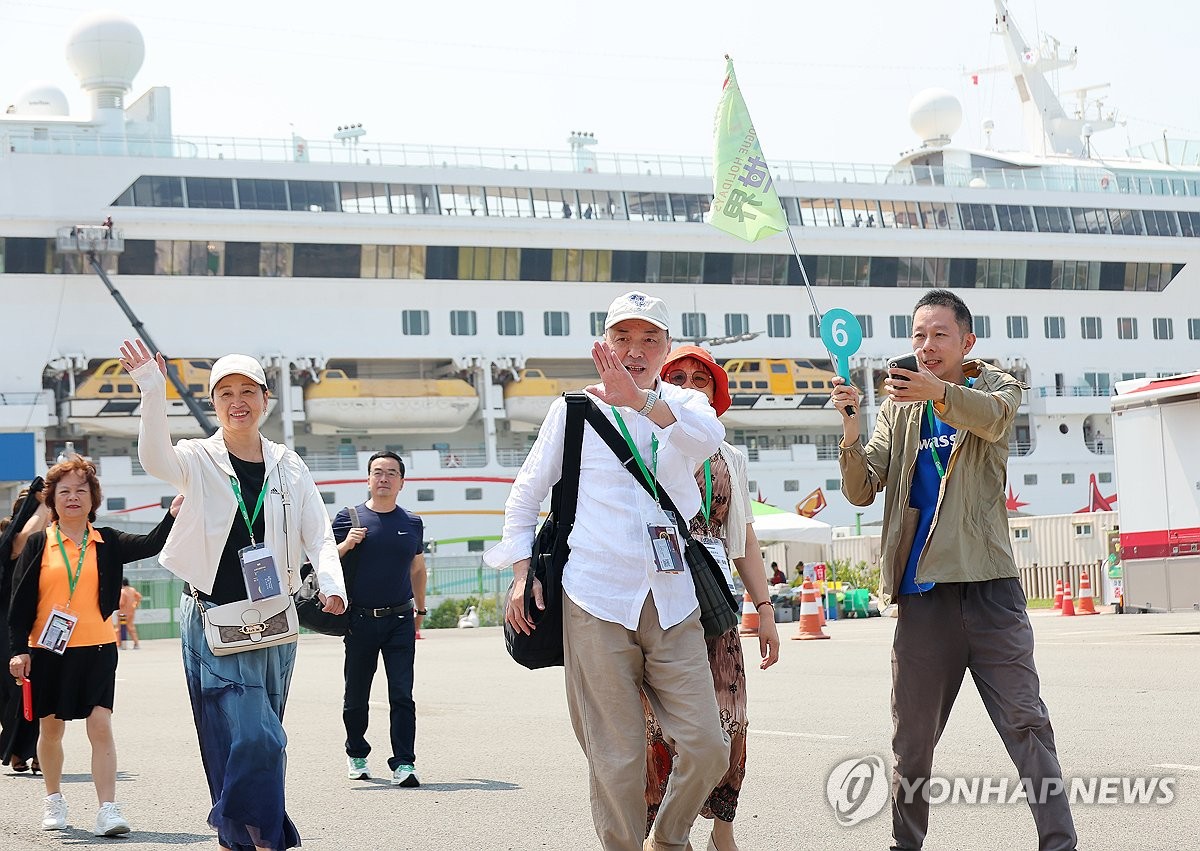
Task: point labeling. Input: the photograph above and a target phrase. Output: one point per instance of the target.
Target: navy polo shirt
(925, 486)
(383, 564)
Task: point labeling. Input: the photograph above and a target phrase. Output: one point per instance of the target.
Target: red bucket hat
(721, 400)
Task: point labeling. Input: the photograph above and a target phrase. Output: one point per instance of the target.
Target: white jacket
(200, 469)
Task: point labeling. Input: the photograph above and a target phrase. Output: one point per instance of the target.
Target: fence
(1038, 581)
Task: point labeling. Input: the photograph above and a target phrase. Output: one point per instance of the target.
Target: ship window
(995, 273)
(694, 327)
(1194, 329)
(801, 385)
(475, 546)
(867, 324)
(648, 206)
(1056, 327)
(779, 325)
(553, 203)
(489, 264)
(1164, 328)
(901, 326)
(507, 202)
(275, 259)
(819, 385)
(326, 260)
(752, 487)
(758, 269)
(262, 194)
(1126, 222)
(1018, 327)
(1189, 223)
(1090, 220)
(1020, 533)
(1127, 328)
(474, 493)
(180, 257)
(242, 259)
(1083, 530)
(213, 193)
(1160, 223)
(1052, 219)
(312, 196)
(686, 208)
(106, 388)
(1091, 327)
(198, 389)
(976, 217)
(424, 494)
(596, 322)
(364, 197)
(1068, 478)
(1014, 218)
(898, 214)
(1147, 277)
(736, 324)
(779, 368)
(115, 503)
(124, 388)
(414, 322)
(510, 323)
(791, 484)
(814, 326)
(556, 323)
(577, 264)
(153, 191)
(674, 267)
(833, 484)
(1104, 478)
(843, 271)
(462, 323)
(982, 326)
(922, 272)
(760, 385)
(746, 385)
(412, 199)
(329, 497)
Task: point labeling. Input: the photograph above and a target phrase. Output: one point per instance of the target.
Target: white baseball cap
(236, 365)
(636, 305)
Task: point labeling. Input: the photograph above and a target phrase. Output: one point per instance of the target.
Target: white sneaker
(54, 812)
(109, 821)
(405, 775)
(356, 768)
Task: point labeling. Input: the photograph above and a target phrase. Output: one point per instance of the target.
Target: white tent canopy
(773, 525)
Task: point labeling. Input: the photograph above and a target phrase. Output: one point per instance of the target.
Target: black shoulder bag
(308, 605)
(543, 648)
(718, 608)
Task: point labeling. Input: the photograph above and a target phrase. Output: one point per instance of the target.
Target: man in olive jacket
(940, 454)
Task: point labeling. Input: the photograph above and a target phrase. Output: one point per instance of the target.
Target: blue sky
(824, 82)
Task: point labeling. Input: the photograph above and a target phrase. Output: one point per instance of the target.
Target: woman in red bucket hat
(725, 515)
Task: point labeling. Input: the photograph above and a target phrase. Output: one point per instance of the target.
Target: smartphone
(908, 361)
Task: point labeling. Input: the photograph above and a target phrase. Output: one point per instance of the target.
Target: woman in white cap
(247, 491)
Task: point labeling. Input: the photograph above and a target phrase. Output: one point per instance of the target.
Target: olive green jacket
(969, 538)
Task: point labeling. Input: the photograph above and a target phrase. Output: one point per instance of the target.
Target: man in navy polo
(382, 551)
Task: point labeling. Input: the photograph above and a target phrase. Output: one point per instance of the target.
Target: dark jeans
(981, 626)
(394, 637)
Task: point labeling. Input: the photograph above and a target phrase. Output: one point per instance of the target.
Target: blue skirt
(237, 703)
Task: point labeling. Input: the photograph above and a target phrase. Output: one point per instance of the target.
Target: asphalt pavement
(500, 768)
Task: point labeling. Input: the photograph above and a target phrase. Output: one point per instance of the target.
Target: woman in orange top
(65, 587)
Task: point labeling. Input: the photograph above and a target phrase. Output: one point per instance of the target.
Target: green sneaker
(356, 768)
(405, 775)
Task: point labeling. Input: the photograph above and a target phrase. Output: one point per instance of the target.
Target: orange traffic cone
(1087, 605)
(1058, 594)
(1068, 604)
(749, 616)
(810, 615)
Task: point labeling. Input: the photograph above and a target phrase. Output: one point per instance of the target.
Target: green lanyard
(72, 579)
(707, 506)
(262, 494)
(937, 462)
(637, 456)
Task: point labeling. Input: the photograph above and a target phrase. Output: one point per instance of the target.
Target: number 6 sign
(842, 336)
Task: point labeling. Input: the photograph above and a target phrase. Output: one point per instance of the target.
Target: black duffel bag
(543, 648)
(308, 605)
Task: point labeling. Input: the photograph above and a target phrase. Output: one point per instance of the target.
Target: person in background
(939, 453)
(725, 516)
(387, 607)
(18, 737)
(131, 598)
(777, 575)
(65, 588)
(248, 490)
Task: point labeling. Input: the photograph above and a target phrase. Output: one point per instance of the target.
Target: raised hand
(136, 354)
(618, 386)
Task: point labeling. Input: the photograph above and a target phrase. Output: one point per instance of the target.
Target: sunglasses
(680, 378)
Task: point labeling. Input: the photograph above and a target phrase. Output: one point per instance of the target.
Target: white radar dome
(41, 99)
(105, 50)
(935, 115)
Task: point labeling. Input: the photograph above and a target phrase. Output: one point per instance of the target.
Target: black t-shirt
(230, 585)
(382, 570)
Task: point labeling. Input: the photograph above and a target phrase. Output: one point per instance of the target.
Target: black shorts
(72, 685)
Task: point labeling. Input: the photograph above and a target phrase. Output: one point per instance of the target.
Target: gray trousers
(981, 626)
(608, 666)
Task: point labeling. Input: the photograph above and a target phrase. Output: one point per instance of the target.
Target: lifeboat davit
(528, 399)
(336, 404)
(108, 402)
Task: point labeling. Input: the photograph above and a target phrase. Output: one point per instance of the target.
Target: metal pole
(172, 374)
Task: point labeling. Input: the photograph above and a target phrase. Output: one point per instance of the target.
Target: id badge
(664, 539)
(56, 634)
(717, 547)
(258, 569)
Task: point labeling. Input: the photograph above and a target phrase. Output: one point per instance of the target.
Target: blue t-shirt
(925, 486)
(383, 575)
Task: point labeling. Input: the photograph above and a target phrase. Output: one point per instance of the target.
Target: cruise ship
(434, 301)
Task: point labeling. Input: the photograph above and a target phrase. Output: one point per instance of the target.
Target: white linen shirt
(611, 567)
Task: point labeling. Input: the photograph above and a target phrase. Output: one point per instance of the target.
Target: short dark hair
(386, 453)
(945, 298)
(74, 464)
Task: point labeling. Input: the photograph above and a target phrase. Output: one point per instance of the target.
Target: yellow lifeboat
(337, 404)
(777, 393)
(528, 399)
(108, 402)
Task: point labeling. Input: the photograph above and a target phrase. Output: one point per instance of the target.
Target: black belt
(385, 611)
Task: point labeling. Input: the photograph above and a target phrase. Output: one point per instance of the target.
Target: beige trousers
(606, 666)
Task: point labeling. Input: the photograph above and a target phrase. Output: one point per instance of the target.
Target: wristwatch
(422, 612)
(651, 398)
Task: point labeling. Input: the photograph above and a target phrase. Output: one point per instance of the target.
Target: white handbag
(250, 625)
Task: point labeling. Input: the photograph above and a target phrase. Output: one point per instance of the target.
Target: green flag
(744, 200)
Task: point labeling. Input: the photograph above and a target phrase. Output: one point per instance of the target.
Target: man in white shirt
(628, 625)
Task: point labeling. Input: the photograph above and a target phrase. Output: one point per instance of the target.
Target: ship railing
(511, 457)
(1073, 391)
(473, 456)
(332, 462)
(1019, 448)
(26, 397)
(1099, 446)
